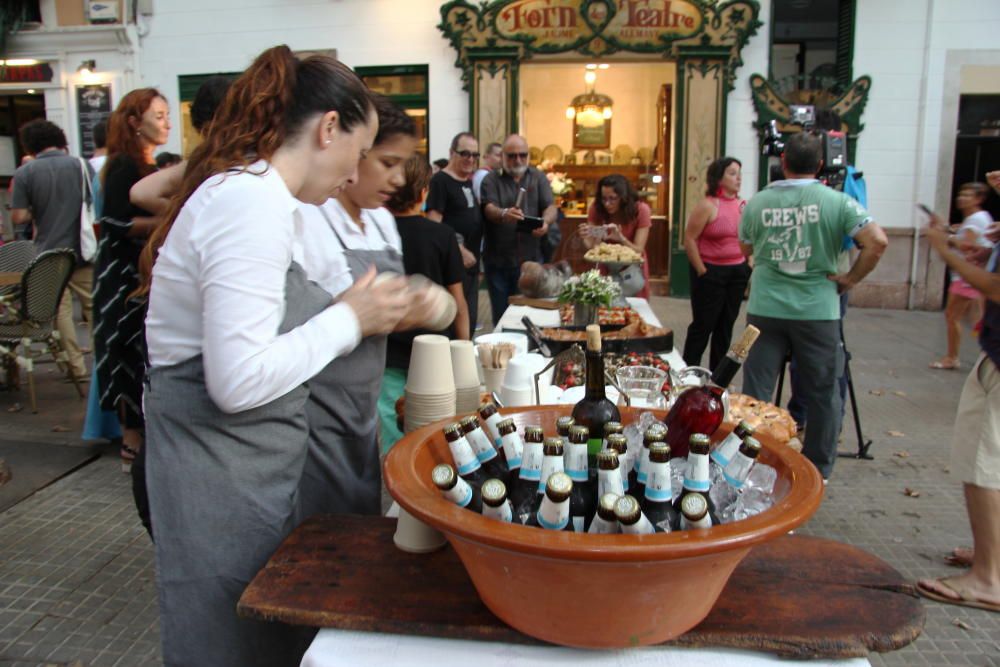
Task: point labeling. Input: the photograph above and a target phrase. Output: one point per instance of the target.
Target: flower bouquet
(587, 292)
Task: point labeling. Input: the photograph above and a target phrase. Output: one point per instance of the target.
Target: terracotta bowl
(595, 591)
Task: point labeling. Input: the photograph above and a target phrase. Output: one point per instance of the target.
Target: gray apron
(222, 491)
(342, 473)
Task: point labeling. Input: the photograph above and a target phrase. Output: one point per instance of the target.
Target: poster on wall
(93, 104)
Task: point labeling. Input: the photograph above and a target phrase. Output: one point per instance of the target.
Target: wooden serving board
(544, 304)
(797, 597)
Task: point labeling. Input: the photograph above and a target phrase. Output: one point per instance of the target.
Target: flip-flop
(941, 366)
(963, 599)
(960, 557)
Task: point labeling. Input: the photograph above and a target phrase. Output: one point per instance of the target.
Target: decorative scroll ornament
(773, 105)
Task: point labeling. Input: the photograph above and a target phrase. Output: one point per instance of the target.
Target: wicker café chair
(30, 316)
(15, 258)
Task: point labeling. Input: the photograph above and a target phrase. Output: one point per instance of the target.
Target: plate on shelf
(534, 155)
(623, 154)
(553, 154)
(645, 155)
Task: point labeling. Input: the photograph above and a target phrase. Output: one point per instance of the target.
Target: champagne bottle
(495, 503)
(701, 409)
(493, 463)
(454, 488)
(605, 521)
(595, 410)
(553, 513)
(524, 494)
(657, 502)
(630, 517)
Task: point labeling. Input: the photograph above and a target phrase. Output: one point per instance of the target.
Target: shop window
(812, 45)
(406, 85)
(15, 111)
(188, 87)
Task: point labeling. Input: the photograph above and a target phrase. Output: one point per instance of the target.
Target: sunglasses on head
(467, 154)
(515, 156)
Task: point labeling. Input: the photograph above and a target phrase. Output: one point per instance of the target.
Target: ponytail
(270, 103)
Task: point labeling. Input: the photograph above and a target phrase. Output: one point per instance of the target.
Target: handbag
(88, 239)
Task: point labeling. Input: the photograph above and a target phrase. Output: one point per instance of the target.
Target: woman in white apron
(234, 330)
(340, 241)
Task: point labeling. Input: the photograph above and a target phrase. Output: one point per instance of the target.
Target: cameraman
(794, 229)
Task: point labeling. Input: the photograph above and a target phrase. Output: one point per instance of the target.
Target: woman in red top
(719, 271)
(622, 217)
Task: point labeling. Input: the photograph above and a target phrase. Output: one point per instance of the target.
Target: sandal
(946, 364)
(127, 455)
(960, 557)
(963, 597)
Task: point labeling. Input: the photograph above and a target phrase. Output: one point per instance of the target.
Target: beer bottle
(630, 517)
(553, 513)
(655, 433)
(552, 461)
(619, 443)
(657, 502)
(696, 478)
(455, 489)
(495, 503)
(583, 500)
(491, 421)
(493, 463)
(595, 410)
(724, 492)
(524, 494)
(465, 459)
(562, 428)
(605, 521)
(609, 475)
(512, 445)
(725, 450)
(694, 512)
(701, 409)
(609, 428)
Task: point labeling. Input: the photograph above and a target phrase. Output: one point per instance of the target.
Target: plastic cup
(416, 537)
(493, 379)
(463, 364)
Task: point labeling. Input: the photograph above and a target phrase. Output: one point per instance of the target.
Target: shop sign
(562, 25)
(40, 73)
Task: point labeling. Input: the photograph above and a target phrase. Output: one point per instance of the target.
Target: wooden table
(797, 597)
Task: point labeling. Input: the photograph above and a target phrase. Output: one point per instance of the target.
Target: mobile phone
(925, 209)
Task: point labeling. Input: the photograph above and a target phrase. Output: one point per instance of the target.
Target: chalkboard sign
(93, 104)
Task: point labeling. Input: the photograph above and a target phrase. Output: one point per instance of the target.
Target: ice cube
(762, 477)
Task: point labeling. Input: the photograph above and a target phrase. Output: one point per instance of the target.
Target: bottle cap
(534, 434)
(563, 424)
(558, 487)
(743, 429)
(694, 506)
(443, 476)
(578, 434)
(612, 427)
(699, 443)
(494, 492)
(750, 447)
(487, 410)
(452, 432)
(606, 506)
(659, 452)
(627, 510)
(594, 338)
(469, 423)
(552, 446)
(607, 459)
(618, 442)
(506, 426)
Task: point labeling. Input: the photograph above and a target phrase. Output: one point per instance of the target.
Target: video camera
(834, 143)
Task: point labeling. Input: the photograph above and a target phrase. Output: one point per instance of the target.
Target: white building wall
(198, 37)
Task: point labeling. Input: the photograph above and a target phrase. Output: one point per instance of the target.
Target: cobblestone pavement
(76, 581)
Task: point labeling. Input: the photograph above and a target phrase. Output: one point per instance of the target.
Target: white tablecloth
(511, 321)
(348, 648)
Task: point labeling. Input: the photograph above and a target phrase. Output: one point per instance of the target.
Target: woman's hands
(379, 306)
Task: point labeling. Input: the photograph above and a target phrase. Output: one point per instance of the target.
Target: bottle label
(697, 478)
(513, 447)
(738, 470)
(503, 513)
(642, 469)
(658, 483)
(531, 464)
(578, 523)
(726, 449)
(491, 427)
(465, 458)
(550, 464)
(553, 516)
(575, 461)
(460, 494)
(601, 527)
(640, 527)
(610, 481)
(481, 445)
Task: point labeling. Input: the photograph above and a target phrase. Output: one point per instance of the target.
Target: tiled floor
(76, 584)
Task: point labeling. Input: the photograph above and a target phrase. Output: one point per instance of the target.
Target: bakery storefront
(635, 87)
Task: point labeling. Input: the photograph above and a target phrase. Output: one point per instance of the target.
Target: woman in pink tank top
(719, 271)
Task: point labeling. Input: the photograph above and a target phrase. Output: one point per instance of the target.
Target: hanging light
(590, 109)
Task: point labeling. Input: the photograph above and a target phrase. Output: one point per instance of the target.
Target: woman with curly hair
(617, 216)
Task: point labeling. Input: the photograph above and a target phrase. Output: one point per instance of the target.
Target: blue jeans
(501, 283)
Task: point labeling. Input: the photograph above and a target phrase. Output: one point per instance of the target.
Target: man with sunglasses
(508, 243)
(451, 199)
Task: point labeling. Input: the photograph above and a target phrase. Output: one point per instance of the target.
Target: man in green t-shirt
(794, 230)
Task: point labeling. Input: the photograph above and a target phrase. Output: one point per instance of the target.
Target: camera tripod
(863, 445)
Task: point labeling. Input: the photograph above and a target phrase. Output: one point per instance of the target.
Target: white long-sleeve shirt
(219, 290)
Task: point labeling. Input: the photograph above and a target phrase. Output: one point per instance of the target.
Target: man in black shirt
(507, 246)
(451, 200)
